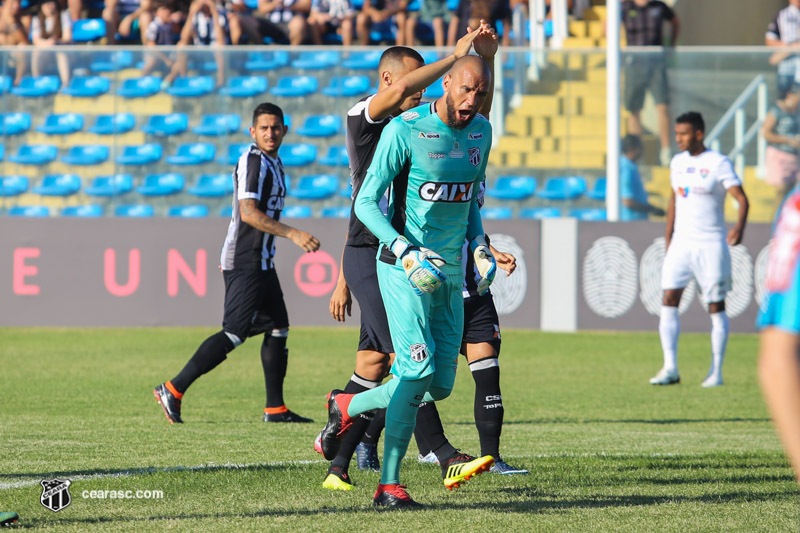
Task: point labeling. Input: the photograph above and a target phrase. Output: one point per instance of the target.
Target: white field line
(27, 482)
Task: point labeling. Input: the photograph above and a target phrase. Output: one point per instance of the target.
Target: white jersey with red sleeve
(700, 183)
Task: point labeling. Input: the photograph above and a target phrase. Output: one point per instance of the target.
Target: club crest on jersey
(704, 172)
(419, 352)
(409, 115)
(446, 192)
(683, 191)
(474, 156)
(475, 136)
(423, 135)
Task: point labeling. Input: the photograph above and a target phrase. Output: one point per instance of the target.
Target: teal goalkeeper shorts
(426, 330)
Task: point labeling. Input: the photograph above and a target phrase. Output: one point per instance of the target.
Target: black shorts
(481, 323)
(361, 275)
(642, 74)
(253, 303)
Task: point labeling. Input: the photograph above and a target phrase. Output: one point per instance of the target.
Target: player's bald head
(395, 57)
(470, 66)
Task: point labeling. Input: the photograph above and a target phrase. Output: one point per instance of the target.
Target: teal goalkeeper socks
(401, 416)
(377, 398)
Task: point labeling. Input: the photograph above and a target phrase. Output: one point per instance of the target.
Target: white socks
(720, 327)
(669, 328)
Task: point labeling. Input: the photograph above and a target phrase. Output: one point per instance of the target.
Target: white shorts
(708, 262)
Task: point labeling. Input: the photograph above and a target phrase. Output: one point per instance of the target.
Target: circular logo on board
(316, 273)
(609, 277)
(651, 293)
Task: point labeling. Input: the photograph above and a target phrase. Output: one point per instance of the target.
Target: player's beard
(452, 119)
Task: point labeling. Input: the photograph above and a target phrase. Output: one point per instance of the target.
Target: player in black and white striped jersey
(253, 297)
(784, 32)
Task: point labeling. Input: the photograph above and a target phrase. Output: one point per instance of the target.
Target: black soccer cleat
(286, 416)
(394, 497)
(338, 424)
(169, 403)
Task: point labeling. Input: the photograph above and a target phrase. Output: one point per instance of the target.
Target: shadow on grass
(104, 472)
(618, 421)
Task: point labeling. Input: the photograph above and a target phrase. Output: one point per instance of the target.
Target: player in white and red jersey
(697, 243)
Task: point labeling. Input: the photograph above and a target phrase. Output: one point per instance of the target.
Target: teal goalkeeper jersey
(445, 168)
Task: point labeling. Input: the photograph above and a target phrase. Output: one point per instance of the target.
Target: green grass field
(607, 451)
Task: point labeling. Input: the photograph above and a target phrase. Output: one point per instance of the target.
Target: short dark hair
(396, 54)
(694, 119)
(267, 108)
(631, 142)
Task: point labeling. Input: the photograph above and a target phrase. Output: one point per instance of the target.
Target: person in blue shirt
(779, 324)
(635, 205)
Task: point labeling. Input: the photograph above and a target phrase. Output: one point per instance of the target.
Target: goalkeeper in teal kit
(444, 147)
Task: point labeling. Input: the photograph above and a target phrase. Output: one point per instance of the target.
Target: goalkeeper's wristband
(479, 240)
(399, 246)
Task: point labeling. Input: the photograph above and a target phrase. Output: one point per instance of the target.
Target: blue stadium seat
(188, 211)
(140, 154)
(59, 185)
(29, 211)
(347, 190)
(5, 84)
(434, 91)
(295, 86)
(84, 211)
(90, 154)
(16, 123)
(113, 124)
(563, 188)
(218, 125)
(103, 61)
(61, 124)
(166, 125)
(346, 86)
(193, 154)
(315, 187)
(88, 30)
(297, 211)
(496, 213)
(161, 184)
(598, 191)
(512, 58)
(87, 86)
(140, 87)
(336, 156)
(34, 87)
(316, 60)
(257, 61)
(13, 185)
(245, 86)
(233, 154)
(34, 154)
(134, 210)
(115, 185)
(2, 151)
(539, 213)
(588, 214)
(512, 188)
(226, 211)
(191, 86)
(336, 212)
(363, 60)
(297, 155)
(212, 186)
(321, 126)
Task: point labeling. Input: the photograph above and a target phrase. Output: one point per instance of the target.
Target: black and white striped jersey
(260, 177)
(786, 28)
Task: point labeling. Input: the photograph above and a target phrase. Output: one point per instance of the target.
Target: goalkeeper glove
(484, 262)
(420, 264)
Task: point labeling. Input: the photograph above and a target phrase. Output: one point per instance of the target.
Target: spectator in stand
(635, 204)
(240, 15)
(380, 15)
(285, 21)
(782, 131)
(206, 25)
(163, 30)
(643, 21)
(117, 10)
(13, 33)
(469, 13)
(50, 27)
(433, 13)
(784, 32)
(331, 17)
